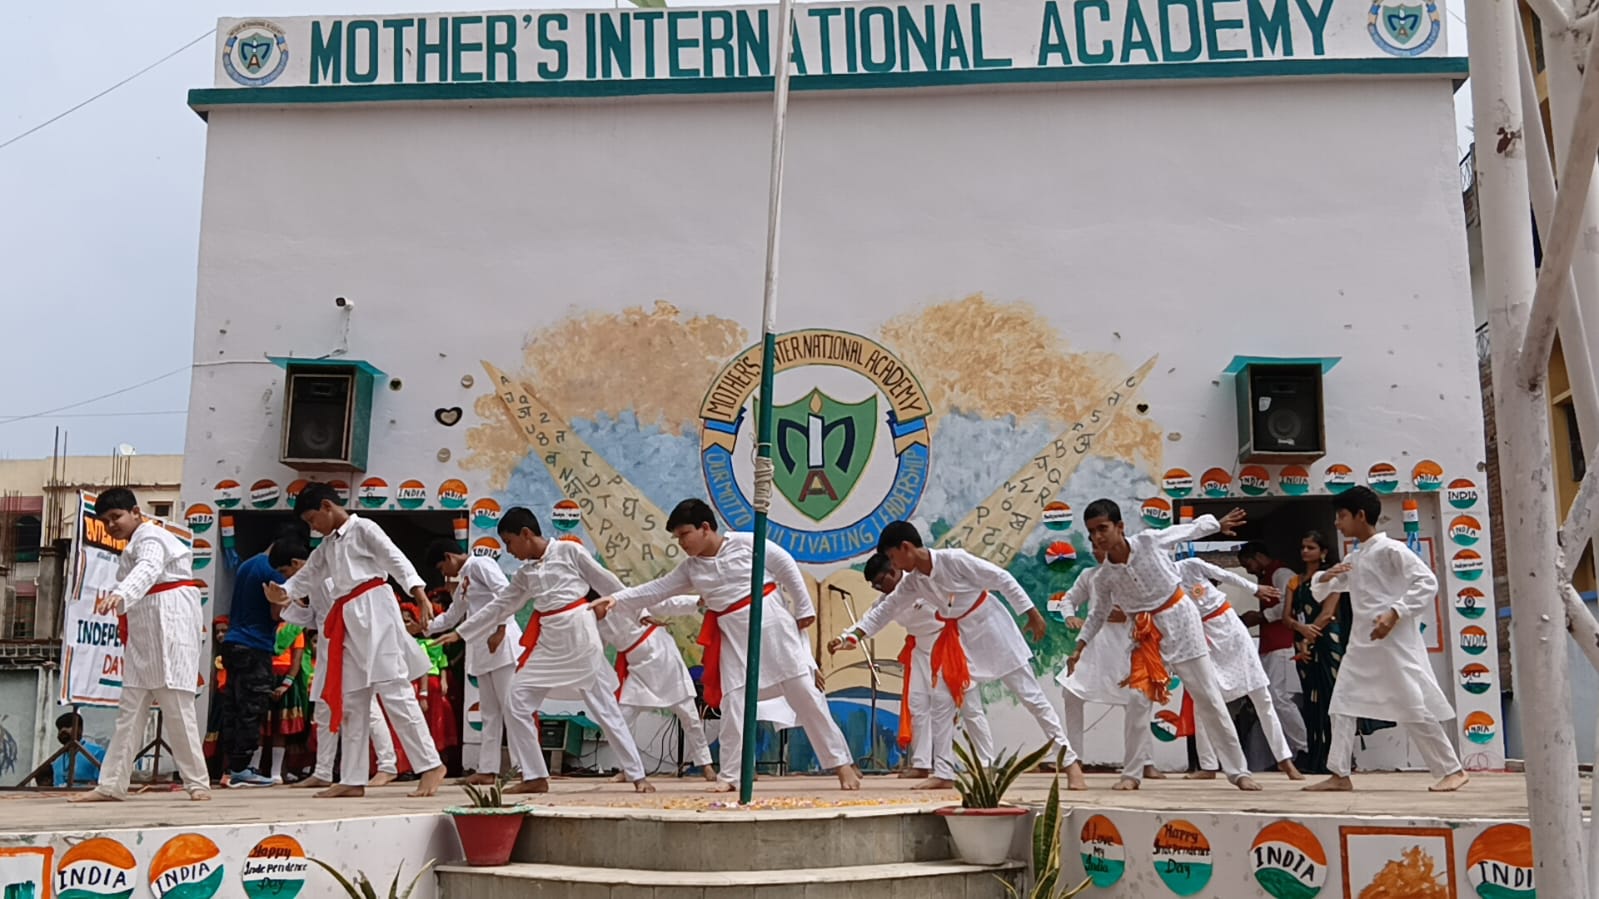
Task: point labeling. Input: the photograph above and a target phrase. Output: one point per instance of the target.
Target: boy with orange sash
(653, 676)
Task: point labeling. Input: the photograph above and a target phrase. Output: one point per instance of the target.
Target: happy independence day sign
(829, 39)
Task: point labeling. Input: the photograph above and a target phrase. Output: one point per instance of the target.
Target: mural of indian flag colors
(97, 868)
(1288, 861)
(275, 869)
(1104, 854)
(188, 866)
(1181, 855)
(1499, 863)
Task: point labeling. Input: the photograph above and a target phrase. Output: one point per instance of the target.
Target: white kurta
(1232, 649)
(480, 580)
(164, 630)
(1106, 660)
(656, 675)
(1146, 582)
(1389, 679)
(721, 581)
(988, 632)
(570, 656)
(377, 648)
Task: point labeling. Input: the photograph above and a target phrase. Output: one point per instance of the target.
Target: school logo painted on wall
(411, 494)
(1473, 640)
(1499, 863)
(1338, 478)
(275, 869)
(1295, 480)
(1177, 483)
(1254, 480)
(1475, 678)
(255, 53)
(1104, 855)
(188, 866)
(1462, 493)
(97, 868)
(199, 517)
(1288, 861)
(1428, 476)
(1471, 602)
(1404, 29)
(1480, 727)
(1216, 482)
(852, 446)
(566, 515)
(1182, 857)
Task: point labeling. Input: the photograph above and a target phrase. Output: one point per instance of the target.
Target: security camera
(343, 303)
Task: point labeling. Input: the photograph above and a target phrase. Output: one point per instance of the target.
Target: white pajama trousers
(357, 728)
(1429, 736)
(494, 694)
(327, 744)
(1138, 741)
(176, 706)
(1210, 714)
(974, 721)
(1282, 672)
(1270, 726)
(1024, 686)
(811, 713)
(688, 715)
(600, 703)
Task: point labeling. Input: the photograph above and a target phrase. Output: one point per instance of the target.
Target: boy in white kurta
(478, 579)
(1386, 674)
(288, 557)
(718, 567)
(157, 594)
(1094, 673)
(560, 655)
(653, 675)
(1140, 577)
(922, 628)
(978, 641)
(369, 652)
(1238, 667)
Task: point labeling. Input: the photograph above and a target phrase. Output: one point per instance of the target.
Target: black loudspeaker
(326, 418)
(1280, 413)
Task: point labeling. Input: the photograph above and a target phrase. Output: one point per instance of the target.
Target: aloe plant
(984, 786)
(1046, 848)
(488, 797)
(362, 888)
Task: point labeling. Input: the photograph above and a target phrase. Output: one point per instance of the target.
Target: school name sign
(831, 39)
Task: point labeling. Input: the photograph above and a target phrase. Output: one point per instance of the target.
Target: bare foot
(1153, 773)
(95, 796)
(935, 783)
(1074, 777)
(481, 780)
(643, 786)
(720, 786)
(200, 796)
(915, 774)
(381, 779)
(620, 778)
(541, 785)
(1125, 784)
(1287, 767)
(340, 791)
(311, 782)
(1200, 775)
(1451, 783)
(1247, 784)
(708, 772)
(849, 777)
(1333, 784)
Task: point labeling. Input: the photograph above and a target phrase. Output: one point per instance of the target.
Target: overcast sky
(100, 211)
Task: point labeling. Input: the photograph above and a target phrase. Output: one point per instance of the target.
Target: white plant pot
(982, 836)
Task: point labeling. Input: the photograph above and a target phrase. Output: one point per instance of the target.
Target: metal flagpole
(763, 403)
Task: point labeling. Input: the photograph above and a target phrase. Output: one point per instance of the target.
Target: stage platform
(1179, 837)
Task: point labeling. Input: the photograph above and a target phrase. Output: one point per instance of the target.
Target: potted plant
(982, 827)
(362, 888)
(1046, 849)
(487, 827)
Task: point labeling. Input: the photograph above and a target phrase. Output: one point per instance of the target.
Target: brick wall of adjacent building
(1496, 532)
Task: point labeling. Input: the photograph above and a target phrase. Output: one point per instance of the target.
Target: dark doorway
(1279, 522)
(410, 531)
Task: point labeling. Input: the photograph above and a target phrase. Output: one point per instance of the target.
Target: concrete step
(678, 840)
(903, 880)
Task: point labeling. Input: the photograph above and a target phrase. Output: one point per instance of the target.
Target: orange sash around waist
(1147, 673)
(711, 639)
(530, 637)
(621, 659)
(949, 656)
(906, 733)
(333, 680)
(1225, 608)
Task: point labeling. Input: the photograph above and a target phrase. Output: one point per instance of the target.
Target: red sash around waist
(333, 680)
(621, 659)
(530, 637)
(122, 620)
(711, 639)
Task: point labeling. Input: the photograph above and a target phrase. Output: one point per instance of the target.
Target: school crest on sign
(821, 448)
(1404, 29)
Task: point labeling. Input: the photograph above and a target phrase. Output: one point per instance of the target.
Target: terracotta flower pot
(982, 836)
(488, 835)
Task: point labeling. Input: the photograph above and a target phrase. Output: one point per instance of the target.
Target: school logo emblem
(188, 866)
(199, 517)
(1467, 565)
(1383, 477)
(1057, 516)
(1177, 483)
(411, 494)
(1499, 863)
(1480, 728)
(452, 494)
(1428, 476)
(851, 446)
(1215, 483)
(566, 515)
(275, 869)
(373, 493)
(1462, 494)
(1182, 857)
(1288, 861)
(1465, 530)
(255, 53)
(264, 494)
(97, 868)
(1254, 480)
(1475, 678)
(1404, 29)
(485, 514)
(1471, 602)
(1338, 478)
(1295, 480)
(1473, 640)
(1104, 854)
